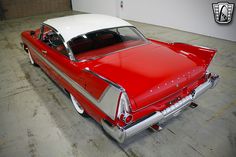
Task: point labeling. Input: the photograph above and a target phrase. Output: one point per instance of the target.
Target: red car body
(157, 79)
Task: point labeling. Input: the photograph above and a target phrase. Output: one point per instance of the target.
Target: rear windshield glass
(105, 41)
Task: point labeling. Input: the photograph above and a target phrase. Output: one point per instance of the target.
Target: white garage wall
(96, 6)
(188, 15)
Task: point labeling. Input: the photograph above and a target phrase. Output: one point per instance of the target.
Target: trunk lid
(149, 72)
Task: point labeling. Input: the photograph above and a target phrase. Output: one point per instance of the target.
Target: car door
(33, 44)
(59, 66)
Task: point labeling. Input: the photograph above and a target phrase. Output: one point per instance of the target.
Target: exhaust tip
(193, 105)
(214, 79)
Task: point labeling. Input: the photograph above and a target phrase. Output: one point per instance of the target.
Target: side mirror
(32, 33)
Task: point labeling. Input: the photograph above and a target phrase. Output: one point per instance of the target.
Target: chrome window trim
(70, 53)
(92, 58)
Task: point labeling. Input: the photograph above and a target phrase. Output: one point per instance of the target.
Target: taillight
(128, 119)
(124, 109)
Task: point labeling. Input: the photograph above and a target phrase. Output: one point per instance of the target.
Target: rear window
(105, 41)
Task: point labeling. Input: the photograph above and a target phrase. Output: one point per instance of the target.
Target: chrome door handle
(44, 51)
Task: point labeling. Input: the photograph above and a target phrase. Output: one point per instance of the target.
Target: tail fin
(204, 53)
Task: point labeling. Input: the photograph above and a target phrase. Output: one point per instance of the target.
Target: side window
(53, 40)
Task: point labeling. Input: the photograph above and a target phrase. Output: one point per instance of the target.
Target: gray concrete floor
(37, 119)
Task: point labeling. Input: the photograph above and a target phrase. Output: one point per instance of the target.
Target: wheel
(31, 59)
(77, 106)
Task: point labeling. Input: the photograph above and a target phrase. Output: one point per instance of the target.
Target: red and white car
(123, 80)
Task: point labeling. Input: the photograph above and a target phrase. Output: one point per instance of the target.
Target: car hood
(148, 72)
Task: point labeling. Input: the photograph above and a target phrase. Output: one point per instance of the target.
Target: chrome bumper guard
(120, 134)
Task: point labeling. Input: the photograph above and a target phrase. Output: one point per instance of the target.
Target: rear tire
(77, 106)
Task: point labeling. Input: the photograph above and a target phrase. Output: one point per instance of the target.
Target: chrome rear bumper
(120, 134)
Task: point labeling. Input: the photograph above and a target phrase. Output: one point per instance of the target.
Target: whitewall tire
(77, 106)
(30, 58)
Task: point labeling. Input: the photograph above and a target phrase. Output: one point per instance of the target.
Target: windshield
(102, 42)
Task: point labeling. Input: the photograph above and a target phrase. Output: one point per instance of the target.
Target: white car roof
(75, 25)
